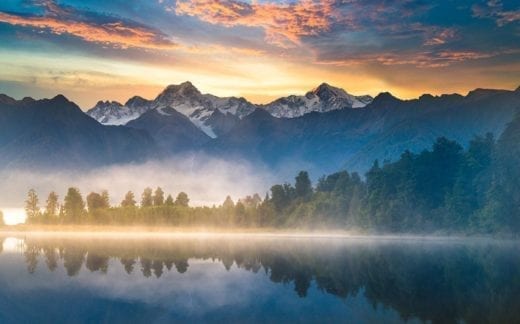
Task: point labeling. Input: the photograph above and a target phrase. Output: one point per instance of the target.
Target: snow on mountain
(213, 115)
(114, 113)
(184, 98)
(322, 99)
(199, 108)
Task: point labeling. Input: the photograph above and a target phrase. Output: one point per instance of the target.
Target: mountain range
(322, 131)
(215, 115)
(56, 133)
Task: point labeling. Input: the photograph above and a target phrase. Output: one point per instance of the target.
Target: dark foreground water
(107, 280)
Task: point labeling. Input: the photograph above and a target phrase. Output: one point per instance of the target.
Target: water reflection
(442, 282)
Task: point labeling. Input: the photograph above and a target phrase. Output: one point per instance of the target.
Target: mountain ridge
(199, 107)
(319, 141)
(56, 132)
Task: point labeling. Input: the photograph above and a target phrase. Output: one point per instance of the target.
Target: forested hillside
(446, 189)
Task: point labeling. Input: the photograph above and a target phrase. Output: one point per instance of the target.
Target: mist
(207, 181)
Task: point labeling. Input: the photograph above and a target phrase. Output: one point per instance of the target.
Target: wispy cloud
(90, 27)
(494, 9)
(441, 37)
(421, 59)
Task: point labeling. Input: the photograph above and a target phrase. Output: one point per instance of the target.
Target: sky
(92, 50)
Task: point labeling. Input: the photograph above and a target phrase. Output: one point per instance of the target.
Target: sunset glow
(257, 49)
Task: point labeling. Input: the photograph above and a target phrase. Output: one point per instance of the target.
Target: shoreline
(170, 232)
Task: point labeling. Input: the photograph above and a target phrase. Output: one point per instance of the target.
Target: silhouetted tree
(303, 185)
(106, 199)
(52, 208)
(281, 196)
(169, 201)
(158, 197)
(182, 199)
(74, 206)
(240, 213)
(228, 203)
(32, 209)
(96, 201)
(146, 198)
(129, 200)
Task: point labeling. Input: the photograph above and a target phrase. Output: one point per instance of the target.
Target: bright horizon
(261, 50)
(267, 99)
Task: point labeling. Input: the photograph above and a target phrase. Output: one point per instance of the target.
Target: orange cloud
(284, 24)
(61, 21)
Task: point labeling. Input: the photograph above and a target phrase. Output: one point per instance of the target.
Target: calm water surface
(108, 280)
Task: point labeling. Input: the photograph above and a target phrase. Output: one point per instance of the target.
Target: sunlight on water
(12, 244)
(13, 216)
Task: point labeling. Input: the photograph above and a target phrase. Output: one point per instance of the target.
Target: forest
(444, 189)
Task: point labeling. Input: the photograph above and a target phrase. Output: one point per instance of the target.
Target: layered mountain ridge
(56, 133)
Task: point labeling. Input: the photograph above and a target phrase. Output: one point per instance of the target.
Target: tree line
(446, 188)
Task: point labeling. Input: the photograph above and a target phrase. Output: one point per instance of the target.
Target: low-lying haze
(207, 181)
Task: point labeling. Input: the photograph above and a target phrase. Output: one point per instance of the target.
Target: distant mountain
(171, 130)
(322, 99)
(185, 99)
(56, 133)
(199, 108)
(181, 119)
(354, 138)
(114, 113)
(215, 115)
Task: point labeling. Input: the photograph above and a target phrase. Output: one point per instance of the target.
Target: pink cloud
(63, 20)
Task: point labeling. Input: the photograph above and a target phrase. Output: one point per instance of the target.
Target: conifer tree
(129, 200)
(158, 197)
(147, 198)
(32, 209)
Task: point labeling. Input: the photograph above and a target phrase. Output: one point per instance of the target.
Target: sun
(13, 216)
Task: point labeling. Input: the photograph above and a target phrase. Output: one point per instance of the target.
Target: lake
(255, 279)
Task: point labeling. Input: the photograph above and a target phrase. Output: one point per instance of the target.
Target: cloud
(284, 23)
(90, 27)
(441, 37)
(494, 9)
(421, 59)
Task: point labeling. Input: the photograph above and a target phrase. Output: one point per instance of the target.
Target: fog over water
(207, 181)
(164, 279)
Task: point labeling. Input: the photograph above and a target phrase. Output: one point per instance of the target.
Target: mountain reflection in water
(339, 279)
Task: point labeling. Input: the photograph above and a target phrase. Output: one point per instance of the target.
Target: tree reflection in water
(440, 282)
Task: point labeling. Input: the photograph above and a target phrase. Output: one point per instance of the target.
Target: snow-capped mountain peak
(137, 102)
(214, 115)
(199, 108)
(175, 92)
(321, 99)
(114, 113)
(325, 90)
